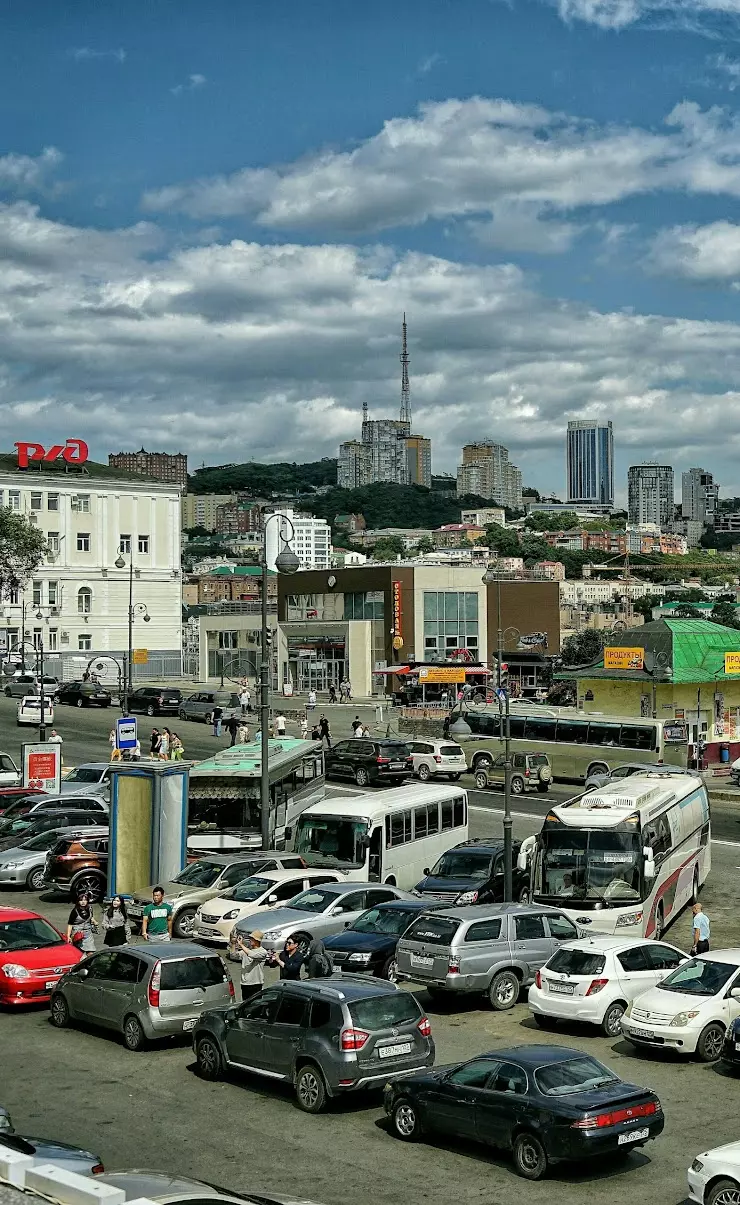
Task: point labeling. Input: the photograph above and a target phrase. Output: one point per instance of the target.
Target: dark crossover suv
(155, 700)
(473, 873)
(368, 945)
(324, 1036)
(367, 761)
(84, 694)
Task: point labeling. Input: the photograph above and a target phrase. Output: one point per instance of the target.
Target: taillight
(383, 761)
(526, 773)
(595, 986)
(353, 1039)
(537, 979)
(154, 982)
(601, 1120)
(453, 966)
(97, 1169)
(160, 699)
(232, 993)
(437, 758)
(425, 1028)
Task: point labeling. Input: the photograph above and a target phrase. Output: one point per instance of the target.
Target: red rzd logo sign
(74, 451)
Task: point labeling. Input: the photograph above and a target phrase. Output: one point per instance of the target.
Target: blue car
(368, 946)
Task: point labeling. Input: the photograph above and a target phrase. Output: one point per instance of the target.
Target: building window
(83, 503)
(52, 501)
(52, 541)
(124, 544)
(450, 623)
(83, 541)
(143, 543)
(52, 587)
(363, 604)
(52, 640)
(84, 600)
(14, 499)
(2, 497)
(228, 640)
(15, 597)
(37, 500)
(84, 643)
(37, 637)
(36, 595)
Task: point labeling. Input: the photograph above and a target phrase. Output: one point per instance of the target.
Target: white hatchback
(434, 758)
(215, 920)
(714, 1176)
(691, 1009)
(29, 711)
(594, 980)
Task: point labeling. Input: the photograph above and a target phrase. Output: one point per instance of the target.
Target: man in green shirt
(156, 924)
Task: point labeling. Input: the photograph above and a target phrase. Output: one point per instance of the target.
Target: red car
(10, 795)
(33, 957)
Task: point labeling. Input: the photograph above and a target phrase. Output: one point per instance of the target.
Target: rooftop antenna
(405, 387)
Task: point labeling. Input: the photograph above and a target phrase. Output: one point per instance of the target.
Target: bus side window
(637, 736)
(459, 812)
(432, 818)
(375, 855)
(446, 816)
(420, 823)
(516, 723)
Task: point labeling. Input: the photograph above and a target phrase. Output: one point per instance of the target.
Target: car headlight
(8, 865)
(271, 935)
(230, 915)
(697, 1165)
(467, 897)
(364, 958)
(629, 918)
(14, 970)
(681, 1019)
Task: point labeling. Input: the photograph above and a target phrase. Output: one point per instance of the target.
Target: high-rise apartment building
(201, 510)
(162, 465)
(699, 494)
(419, 460)
(590, 463)
(487, 472)
(650, 494)
(309, 538)
(353, 465)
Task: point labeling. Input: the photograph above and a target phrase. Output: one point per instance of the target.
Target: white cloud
(193, 83)
(695, 15)
(727, 69)
(703, 254)
(83, 54)
(429, 63)
(24, 173)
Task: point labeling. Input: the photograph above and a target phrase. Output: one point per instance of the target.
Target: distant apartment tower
(487, 472)
(236, 517)
(162, 465)
(590, 463)
(650, 494)
(353, 465)
(699, 494)
(419, 460)
(201, 510)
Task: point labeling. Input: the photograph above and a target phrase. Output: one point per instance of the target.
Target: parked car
(319, 912)
(10, 775)
(79, 862)
(545, 1104)
(529, 772)
(33, 957)
(24, 684)
(473, 873)
(10, 795)
(326, 1037)
(714, 1176)
(24, 827)
(368, 945)
(630, 768)
(84, 694)
(60, 1154)
(594, 979)
(155, 700)
(200, 706)
(43, 802)
(494, 949)
(691, 1009)
(431, 759)
(731, 1049)
(5, 1121)
(198, 883)
(28, 711)
(143, 992)
(91, 777)
(215, 920)
(165, 1189)
(369, 761)
(24, 865)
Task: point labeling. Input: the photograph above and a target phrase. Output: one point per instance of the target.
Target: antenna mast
(405, 387)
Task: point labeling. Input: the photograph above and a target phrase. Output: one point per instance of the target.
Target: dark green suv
(529, 772)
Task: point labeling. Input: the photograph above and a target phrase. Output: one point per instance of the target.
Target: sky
(213, 214)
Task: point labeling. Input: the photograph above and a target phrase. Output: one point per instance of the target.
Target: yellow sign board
(619, 657)
(442, 673)
(141, 656)
(732, 663)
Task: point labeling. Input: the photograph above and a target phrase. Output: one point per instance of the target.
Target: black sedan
(730, 1055)
(84, 694)
(369, 945)
(543, 1103)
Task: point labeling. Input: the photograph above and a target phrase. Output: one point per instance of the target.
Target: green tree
(388, 548)
(22, 549)
(425, 545)
(686, 611)
(724, 612)
(582, 648)
(543, 521)
(644, 606)
(501, 540)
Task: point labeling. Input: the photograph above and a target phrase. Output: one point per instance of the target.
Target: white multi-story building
(91, 517)
(588, 592)
(310, 541)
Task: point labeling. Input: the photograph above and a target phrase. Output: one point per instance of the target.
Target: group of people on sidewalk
(83, 927)
(290, 960)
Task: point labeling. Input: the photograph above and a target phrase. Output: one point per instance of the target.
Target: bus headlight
(629, 918)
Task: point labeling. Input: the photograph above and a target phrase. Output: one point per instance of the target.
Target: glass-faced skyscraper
(590, 463)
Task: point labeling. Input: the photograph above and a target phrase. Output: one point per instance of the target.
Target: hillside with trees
(263, 480)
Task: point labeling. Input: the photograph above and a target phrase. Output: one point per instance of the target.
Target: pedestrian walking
(232, 727)
(318, 963)
(311, 700)
(164, 745)
(245, 700)
(324, 730)
(156, 923)
(700, 930)
(280, 723)
(304, 726)
(242, 733)
(290, 960)
(332, 694)
(217, 716)
(56, 739)
(348, 689)
(176, 748)
(356, 725)
(115, 752)
(116, 925)
(254, 957)
(315, 734)
(366, 731)
(82, 926)
(155, 744)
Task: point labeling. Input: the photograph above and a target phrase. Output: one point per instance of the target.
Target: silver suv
(494, 948)
(324, 1036)
(200, 706)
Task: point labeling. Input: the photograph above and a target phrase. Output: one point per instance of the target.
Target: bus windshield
(589, 865)
(331, 840)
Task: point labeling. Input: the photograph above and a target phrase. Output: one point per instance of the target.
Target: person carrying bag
(116, 926)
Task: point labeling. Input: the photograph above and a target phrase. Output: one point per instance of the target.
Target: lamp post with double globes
(133, 610)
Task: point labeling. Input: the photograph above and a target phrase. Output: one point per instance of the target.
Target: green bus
(577, 744)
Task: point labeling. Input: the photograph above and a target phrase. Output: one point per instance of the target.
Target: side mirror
(288, 833)
(649, 870)
(735, 993)
(347, 924)
(272, 899)
(426, 870)
(84, 972)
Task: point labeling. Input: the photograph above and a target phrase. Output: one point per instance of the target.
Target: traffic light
(268, 637)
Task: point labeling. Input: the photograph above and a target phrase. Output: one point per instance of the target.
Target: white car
(215, 920)
(714, 1176)
(594, 979)
(434, 758)
(10, 775)
(691, 1009)
(29, 711)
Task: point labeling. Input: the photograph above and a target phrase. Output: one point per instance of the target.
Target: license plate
(50, 983)
(396, 765)
(737, 1045)
(565, 989)
(642, 1033)
(418, 961)
(189, 1024)
(632, 1136)
(137, 912)
(389, 1052)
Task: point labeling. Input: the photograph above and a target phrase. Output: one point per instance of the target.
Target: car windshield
(393, 921)
(576, 962)
(699, 977)
(313, 900)
(386, 1011)
(463, 864)
(450, 751)
(250, 889)
(589, 865)
(84, 774)
(41, 840)
(31, 934)
(331, 840)
(18, 824)
(199, 874)
(573, 1075)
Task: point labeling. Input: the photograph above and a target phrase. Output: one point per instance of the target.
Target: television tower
(405, 387)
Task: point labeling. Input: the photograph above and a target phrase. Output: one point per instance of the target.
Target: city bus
(626, 858)
(391, 838)
(224, 793)
(577, 743)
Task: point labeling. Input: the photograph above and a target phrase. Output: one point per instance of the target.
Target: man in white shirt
(280, 723)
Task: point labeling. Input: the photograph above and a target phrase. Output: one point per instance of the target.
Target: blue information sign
(126, 732)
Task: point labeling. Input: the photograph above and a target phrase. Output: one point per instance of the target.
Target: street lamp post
(502, 693)
(286, 561)
(133, 609)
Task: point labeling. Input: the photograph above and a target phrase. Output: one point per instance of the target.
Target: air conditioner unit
(33, 517)
(64, 637)
(53, 610)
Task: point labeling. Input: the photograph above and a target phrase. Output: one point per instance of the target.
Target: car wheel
(481, 780)
(545, 1022)
(543, 787)
(8, 693)
(208, 1058)
(455, 777)
(483, 762)
(182, 925)
(151, 709)
(59, 1011)
(35, 879)
(181, 714)
(530, 1160)
(504, 991)
(405, 1120)
(134, 1037)
(695, 887)
(88, 884)
(659, 923)
(362, 777)
(208, 718)
(711, 1041)
(390, 970)
(517, 785)
(612, 1017)
(724, 1192)
(523, 897)
(424, 772)
(599, 767)
(310, 1090)
(80, 702)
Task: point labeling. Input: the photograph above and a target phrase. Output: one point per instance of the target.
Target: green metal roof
(239, 571)
(245, 761)
(694, 650)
